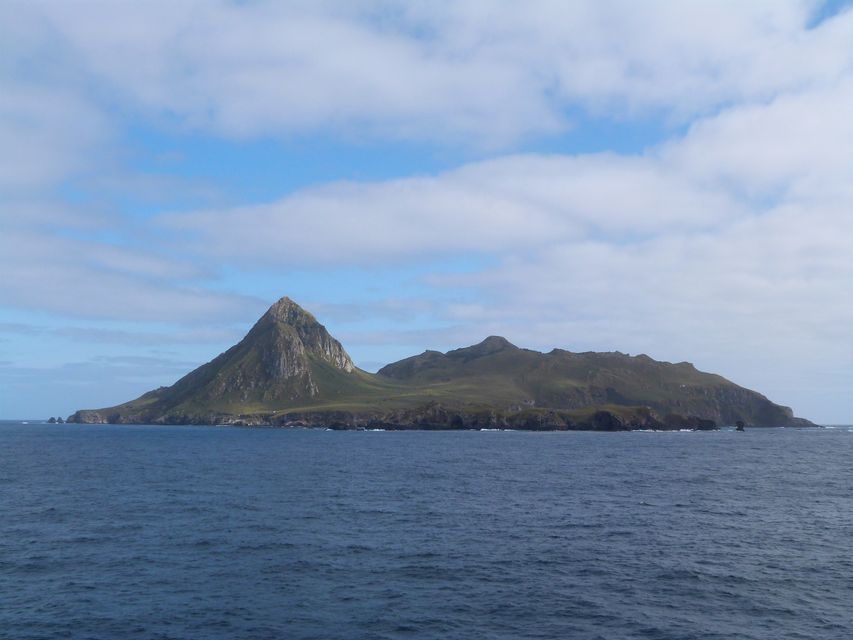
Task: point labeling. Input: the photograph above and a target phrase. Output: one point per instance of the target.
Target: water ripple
(188, 532)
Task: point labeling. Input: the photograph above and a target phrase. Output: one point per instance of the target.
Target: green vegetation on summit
(289, 371)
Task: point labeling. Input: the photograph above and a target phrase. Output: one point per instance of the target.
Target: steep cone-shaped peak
(298, 328)
(287, 311)
(286, 357)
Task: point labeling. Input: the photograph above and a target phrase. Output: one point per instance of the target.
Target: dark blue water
(193, 532)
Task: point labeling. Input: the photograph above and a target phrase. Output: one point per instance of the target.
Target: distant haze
(674, 179)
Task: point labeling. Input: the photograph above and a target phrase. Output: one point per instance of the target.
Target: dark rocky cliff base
(433, 417)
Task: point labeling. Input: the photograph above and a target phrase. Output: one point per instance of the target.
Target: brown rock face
(306, 331)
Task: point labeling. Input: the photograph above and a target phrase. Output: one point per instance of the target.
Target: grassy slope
(467, 379)
(501, 379)
(554, 379)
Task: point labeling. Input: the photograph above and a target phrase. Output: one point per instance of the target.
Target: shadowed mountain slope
(288, 370)
(565, 380)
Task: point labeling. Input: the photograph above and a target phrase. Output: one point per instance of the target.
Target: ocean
(122, 532)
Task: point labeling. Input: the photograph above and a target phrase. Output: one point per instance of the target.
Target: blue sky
(665, 178)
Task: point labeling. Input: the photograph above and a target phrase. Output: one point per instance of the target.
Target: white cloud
(88, 279)
(45, 136)
(98, 335)
(797, 145)
(508, 205)
(456, 73)
(490, 72)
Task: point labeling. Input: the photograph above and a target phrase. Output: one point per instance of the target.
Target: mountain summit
(286, 357)
(297, 328)
(288, 370)
(277, 361)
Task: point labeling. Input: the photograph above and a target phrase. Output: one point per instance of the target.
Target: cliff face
(274, 363)
(289, 370)
(294, 327)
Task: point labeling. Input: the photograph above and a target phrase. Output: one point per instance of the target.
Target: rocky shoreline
(428, 418)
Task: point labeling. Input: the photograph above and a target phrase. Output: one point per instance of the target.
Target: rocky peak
(293, 323)
(490, 345)
(287, 311)
(496, 343)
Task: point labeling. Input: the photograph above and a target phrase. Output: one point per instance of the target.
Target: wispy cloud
(507, 205)
(98, 335)
(80, 278)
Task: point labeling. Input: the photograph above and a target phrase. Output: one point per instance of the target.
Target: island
(289, 371)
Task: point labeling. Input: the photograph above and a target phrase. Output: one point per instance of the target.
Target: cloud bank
(488, 71)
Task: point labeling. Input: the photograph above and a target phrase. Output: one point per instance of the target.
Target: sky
(668, 178)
